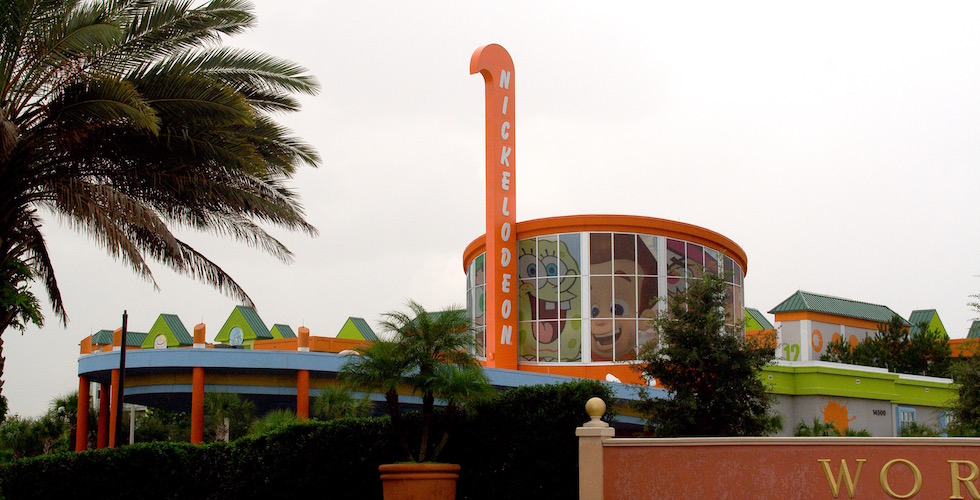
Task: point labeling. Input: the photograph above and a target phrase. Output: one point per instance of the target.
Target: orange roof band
(618, 224)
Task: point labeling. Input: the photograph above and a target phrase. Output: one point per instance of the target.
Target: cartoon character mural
(549, 299)
(478, 292)
(623, 294)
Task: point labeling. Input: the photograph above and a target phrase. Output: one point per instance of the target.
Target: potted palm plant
(429, 352)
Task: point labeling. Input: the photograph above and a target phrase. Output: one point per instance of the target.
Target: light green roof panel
(280, 331)
(806, 301)
(357, 329)
(249, 321)
(928, 316)
(974, 330)
(755, 320)
(170, 326)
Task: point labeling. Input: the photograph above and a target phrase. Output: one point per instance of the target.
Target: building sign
(494, 63)
(784, 468)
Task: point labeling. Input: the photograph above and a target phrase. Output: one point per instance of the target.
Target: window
(906, 417)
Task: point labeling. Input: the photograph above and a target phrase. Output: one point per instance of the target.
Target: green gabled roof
(135, 339)
(928, 316)
(250, 322)
(104, 337)
(254, 321)
(759, 318)
(806, 301)
(170, 326)
(281, 331)
(974, 330)
(357, 329)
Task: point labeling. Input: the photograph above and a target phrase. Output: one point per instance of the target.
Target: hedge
(520, 444)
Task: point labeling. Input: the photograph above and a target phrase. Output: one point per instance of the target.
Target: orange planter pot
(425, 481)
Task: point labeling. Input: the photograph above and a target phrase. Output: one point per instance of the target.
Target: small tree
(711, 373)
(893, 347)
(431, 352)
(965, 409)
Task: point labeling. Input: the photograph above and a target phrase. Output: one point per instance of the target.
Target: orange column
(303, 340)
(495, 64)
(103, 439)
(197, 406)
(303, 377)
(303, 394)
(81, 415)
(199, 336)
(113, 405)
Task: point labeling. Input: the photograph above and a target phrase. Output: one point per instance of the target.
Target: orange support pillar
(197, 406)
(103, 439)
(113, 405)
(81, 415)
(303, 394)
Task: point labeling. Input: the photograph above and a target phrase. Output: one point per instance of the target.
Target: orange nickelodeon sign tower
(497, 68)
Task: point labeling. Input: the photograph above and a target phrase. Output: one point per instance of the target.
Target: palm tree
(431, 352)
(127, 119)
(335, 402)
(229, 414)
(273, 421)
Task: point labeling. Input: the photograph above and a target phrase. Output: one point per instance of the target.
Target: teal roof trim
(366, 331)
(255, 322)
(974, 330)
(178, 329)
(760, 318)
(284, 330)
(104, 337)
(806, 301)
(135, 339)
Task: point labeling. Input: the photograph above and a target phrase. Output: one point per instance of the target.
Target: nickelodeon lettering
(497, 68)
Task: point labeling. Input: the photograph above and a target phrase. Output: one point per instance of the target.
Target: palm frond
(129, 120)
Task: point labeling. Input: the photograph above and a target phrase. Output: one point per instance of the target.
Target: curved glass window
(592, 297)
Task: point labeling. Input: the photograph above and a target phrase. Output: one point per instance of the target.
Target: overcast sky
(837, 142)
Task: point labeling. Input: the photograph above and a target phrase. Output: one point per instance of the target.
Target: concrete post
(590, 438)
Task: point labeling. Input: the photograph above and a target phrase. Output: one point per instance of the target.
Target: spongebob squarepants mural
(550, 299)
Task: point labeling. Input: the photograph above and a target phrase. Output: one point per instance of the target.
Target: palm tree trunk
(450, 420)
(391, 398)
(428, 402)
(5, 318)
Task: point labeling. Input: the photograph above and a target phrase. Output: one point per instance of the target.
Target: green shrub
(521, 444)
